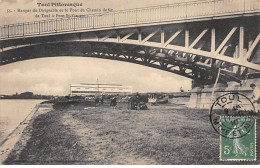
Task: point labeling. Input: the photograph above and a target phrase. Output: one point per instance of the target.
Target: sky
(53, 76)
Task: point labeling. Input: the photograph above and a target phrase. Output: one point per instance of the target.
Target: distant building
(83, 89)
(26, 95)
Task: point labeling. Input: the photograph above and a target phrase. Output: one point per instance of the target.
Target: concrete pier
(201, 97)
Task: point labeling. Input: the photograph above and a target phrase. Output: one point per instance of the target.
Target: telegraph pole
(97, 86)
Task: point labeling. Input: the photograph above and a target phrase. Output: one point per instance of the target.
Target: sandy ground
(18, 138)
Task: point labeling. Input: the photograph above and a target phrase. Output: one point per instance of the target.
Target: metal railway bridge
(193, 39)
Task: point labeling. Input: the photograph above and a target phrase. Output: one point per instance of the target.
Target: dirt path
(103, 149)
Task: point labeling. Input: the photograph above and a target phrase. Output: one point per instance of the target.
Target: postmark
(232, 116)
(224, 113)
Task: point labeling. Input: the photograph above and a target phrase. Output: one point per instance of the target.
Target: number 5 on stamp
(240, 148)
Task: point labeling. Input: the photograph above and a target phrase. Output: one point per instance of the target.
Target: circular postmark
(232, 115)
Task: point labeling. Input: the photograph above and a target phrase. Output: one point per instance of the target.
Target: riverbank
(19, 134)
(104, 135)
(7, 144)
(12, 113)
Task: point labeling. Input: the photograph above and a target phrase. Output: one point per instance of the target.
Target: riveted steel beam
(127, 36)
(252, 47)
(232, 31)
(172, 37)
(198, 38)
(149, 36)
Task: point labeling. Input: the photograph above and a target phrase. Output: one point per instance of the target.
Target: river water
(12, 112)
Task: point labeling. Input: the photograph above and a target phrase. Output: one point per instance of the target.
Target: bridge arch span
(141, 55)
(192, 43)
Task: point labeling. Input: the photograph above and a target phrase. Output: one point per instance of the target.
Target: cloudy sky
(54, 75)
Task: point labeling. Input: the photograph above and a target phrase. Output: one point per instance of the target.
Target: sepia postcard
(129, 82)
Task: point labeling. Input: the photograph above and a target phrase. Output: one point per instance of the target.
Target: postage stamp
(243, 148)
(232, 116)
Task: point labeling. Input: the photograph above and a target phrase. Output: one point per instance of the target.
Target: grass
(104, 135)
(167, 136)
(50, 143)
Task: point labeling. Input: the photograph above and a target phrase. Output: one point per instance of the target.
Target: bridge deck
(181, 12)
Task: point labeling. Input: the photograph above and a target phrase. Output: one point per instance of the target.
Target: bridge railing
(173, 12)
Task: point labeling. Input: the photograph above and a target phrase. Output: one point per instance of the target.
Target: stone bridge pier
(201, 96)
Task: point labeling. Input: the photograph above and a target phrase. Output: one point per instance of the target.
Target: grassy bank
(165, 135)
(50, 143)
(105, 135)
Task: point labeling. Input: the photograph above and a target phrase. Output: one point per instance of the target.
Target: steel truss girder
(189, 49)
(139, 55)
(166, 48)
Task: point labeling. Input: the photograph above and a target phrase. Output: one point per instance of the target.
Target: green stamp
(234, 147)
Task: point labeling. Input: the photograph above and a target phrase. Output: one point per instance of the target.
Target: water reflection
(12, 112)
